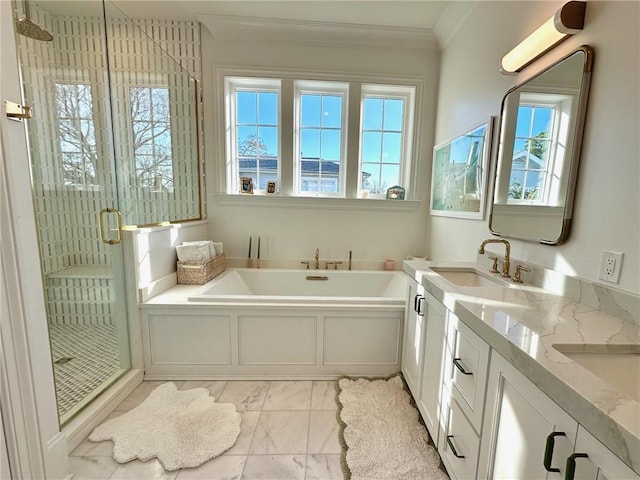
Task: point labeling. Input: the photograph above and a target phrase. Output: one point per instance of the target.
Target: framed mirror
(541, 126)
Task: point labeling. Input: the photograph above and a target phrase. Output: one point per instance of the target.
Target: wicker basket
(201, 272)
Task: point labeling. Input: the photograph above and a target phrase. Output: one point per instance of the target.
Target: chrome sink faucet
(317, 259)
(507, 254)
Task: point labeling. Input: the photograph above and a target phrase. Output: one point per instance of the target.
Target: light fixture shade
(566, 21)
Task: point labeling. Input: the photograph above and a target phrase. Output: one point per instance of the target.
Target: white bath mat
(383, 437)
(182, 429)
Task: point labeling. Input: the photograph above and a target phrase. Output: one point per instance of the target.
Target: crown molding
(224, 27)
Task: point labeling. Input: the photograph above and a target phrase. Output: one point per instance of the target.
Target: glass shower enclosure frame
(114, 129)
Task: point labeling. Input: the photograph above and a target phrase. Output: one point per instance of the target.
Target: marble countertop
(522, 323)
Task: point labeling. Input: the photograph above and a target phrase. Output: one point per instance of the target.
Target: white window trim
(233, 84)
(223, 184)
(408, 94)
(302, 87)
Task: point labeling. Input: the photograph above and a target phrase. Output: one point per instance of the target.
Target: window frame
(562, 105)
(304, 87)
(131, 121)
(233, 84)
(225, 190)
(408, 95)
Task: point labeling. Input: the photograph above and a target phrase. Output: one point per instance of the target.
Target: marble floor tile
(323, 433)
(323, 395)
(281, 433)
(215, 387)
(93, 449)
(137, 470)
(245, 395)
(274, 467)
(288, 395)
(92, 468)
(247, 429)
(139, 395)
(226, 467)
(323, 467)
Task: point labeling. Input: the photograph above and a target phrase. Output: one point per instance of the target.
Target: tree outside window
(76, 133)
(151, 124)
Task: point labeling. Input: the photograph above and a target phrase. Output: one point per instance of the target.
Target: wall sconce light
(566, 21)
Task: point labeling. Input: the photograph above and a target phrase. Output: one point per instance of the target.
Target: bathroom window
(319, 139)
(76, 133)
(151, 123)
(295, 128)
(385, 137)
(253, 137)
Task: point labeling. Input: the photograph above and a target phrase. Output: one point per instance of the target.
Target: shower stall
(113, 140)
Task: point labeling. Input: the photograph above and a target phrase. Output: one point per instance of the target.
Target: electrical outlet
(610, 266)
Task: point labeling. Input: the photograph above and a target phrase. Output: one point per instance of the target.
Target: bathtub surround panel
(262, 340)
(268, 342)
(345, 341)
(190, 340)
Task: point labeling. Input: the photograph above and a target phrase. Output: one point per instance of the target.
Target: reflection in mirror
(541, 128)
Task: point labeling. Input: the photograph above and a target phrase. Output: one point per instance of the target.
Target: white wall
(606, 213)
(290, 231)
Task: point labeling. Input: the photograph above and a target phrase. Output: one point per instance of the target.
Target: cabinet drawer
(459, 444)
(466, 364)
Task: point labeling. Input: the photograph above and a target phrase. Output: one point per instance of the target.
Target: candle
(249, 256)
(258, 247)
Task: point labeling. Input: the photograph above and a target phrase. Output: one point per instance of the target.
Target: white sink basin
(618, 365)
(468, 277)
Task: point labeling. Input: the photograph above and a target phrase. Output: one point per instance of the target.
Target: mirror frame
(572, 176)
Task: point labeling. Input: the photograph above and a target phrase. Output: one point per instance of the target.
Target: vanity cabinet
(414, 328)
(430, 398)
(527, 435)
(522, 428)
(466, 360)
(599, 463)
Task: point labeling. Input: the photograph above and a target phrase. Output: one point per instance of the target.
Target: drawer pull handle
(453, 449)
(571, 465)
(548, 451)
(456, 362)
(418, 305)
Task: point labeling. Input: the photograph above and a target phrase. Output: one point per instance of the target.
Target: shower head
(24, 26)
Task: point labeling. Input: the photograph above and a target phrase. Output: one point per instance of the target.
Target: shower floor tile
(85, 357)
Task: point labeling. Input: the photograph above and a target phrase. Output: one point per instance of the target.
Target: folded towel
(199, 251)
(219, 248)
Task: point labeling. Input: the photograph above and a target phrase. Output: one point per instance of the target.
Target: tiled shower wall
(67, 214)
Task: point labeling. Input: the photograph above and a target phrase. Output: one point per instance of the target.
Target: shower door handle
(104, 237)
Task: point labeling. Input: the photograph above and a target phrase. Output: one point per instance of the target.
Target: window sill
(333, 203)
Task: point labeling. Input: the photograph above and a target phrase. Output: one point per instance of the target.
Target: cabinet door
(522, 426)
(413, 337)
(599, 463)
(431, 392)
(465, 368)
(459, 443)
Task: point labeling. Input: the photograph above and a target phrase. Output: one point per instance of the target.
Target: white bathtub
(268, 323)
(328, 287)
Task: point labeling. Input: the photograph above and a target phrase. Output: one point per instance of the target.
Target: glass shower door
(73, 177)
